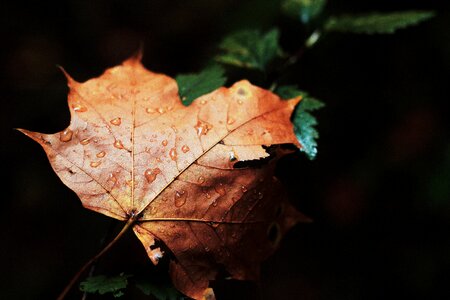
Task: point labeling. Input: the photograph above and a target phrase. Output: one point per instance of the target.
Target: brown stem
(75, 278)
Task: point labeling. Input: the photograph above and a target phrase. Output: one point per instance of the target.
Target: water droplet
(202, 128)
(149, 110)
(66, 135)
(164, 143)
(220, 189)
(118, 144)
(203, 102)
(242, 92)
(207, 249)
(240, 101)
(179, 138)
(112, 178)
(150, 174)
(95, 164)
(214, 203)
(79, 107)
(85, 141)
(153, 210)
(233, 156)
(230, 121)
(173, 154)
(174, 128)
(116, 121)
(201, 180)
(101, 154)
(180, 198)
(244, 189)
(161, 110)
(185, 149)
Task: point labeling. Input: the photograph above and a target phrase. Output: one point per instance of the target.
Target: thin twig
(75, 278)
(103, 243)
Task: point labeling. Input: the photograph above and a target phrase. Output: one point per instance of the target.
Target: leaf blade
(304, 121)
(250, 49)
(377, 23)
(193, 85)
(103, 285)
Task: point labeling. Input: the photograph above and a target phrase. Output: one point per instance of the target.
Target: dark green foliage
(159, 291)
(305, 10)
(193, 85)
(250, 49)
(377, 22)
(102, 284)
(304, 121)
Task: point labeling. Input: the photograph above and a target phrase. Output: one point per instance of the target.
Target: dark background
(379, 190)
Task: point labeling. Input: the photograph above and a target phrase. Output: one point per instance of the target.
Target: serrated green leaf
(377, 22)
(102, 284)
(193, 85)
(160, 291)
(304, 121)
(305, 10)
(250, 49)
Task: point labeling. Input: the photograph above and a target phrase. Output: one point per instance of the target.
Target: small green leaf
(304, 121)
(193, 85)
(377, 22)
(102, 284)
(305, 10)
(160, 291)
(250, 49)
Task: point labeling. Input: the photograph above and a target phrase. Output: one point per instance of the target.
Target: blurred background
(379, 190)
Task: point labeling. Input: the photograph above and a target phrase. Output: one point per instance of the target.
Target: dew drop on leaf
(185, 149)
(202, 128)
(118, 144)
(150, 174)
(101, 154)
(244, 189)
(201, 180)
(95, 164)
(180, 198)
(66, 135)
(173, 154)
(220, 189)
(116, 121)
(79, 107)
(164, 143)
(230, 121)
(85, 141)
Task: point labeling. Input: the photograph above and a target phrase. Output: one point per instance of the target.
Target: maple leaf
(178, 174)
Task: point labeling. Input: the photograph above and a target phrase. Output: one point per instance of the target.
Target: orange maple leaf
(178, 174)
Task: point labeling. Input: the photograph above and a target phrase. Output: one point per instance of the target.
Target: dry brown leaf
(133, 152)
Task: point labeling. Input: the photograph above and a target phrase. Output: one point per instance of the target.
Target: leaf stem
(80, 272)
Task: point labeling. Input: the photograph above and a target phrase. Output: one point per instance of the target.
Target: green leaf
(102, 284)
(160, 291)
(304, 121)
(377, 22)
(193, 85)
(305, 10)
(250, 49)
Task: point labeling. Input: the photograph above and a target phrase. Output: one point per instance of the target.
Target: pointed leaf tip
(136, 57)
(70, 81)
